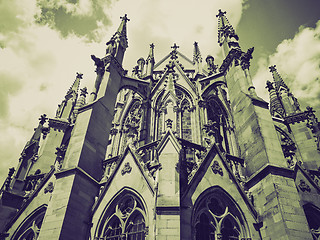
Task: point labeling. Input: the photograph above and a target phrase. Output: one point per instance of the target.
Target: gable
(214, 171)
(128, 176)
(308, 190)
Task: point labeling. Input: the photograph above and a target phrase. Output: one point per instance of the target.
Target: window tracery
(30, 229)
(217, 217)
(132, 124)
(125, 220)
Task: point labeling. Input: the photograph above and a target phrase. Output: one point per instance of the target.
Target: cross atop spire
(277, 78)
(220, 13)
(125, 18)
(175, 47)
(79, 75)
(152, 46)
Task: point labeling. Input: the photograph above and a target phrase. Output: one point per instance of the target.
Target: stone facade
(177, 150)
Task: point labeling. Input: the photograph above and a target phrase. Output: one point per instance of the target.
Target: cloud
(10, 85)
(86, 18)
(298, 62)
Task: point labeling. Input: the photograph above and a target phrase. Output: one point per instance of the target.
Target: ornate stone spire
(121, 34)
(197, 59)
(196, 53)
(276, 108)
(66, 107)
(278, 81)
(150, 60)
(282, 100)
(225, 29)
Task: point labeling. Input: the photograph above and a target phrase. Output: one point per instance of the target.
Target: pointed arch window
(124, 220)
(216, 216)
(313, 218)
(30, 228)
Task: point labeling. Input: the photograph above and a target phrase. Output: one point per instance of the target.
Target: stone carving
(174, 51)
(245, 59)
(49, 188)
(210, 64)
(216, 168)
(132, 123)
(60, 152)
(288, 147)
(169, 123)
(9, 179)
(314, 125)
(234, 54)
(303, 186)
(212, 128)
(126, 169)
(111, 47)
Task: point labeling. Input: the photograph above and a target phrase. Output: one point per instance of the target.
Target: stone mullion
(116, 142)
(203, 118)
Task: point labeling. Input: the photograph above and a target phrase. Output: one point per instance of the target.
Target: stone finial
(220, 13)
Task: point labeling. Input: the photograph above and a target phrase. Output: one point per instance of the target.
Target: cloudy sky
(43, 43)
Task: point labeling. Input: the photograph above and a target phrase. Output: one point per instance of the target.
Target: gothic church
(179, 149)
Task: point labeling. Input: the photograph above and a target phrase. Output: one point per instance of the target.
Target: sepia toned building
(180, 148)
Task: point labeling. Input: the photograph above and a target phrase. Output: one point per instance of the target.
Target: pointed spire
(66, 107)
(31, 148)
(151, 53)
(74, 88)
(276, 108)
(196, 53)
(121, 33)
(80, 103)
(281, 99)
(277, 79)
(226, 31)
(197, 59)
(150, 61)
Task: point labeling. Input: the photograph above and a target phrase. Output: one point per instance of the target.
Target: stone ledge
(75, 170)
(266, 170)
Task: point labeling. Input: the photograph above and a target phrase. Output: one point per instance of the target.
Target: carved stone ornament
(49, 188)
(126, 169)
(216, 168)
(303, 186)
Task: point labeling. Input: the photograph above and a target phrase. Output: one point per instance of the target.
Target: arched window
(30, 228)
(124, 219)
(216, 216)
(313, 218)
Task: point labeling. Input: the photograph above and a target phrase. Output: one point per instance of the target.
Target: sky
(43, 43)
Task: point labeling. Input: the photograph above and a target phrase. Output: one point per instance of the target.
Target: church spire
(197, 59)
(282, 101)
(278, 81)
(227, 38)
(150, 60)
(65, 109)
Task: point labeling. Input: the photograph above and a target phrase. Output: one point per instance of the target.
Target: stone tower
(178, 149)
